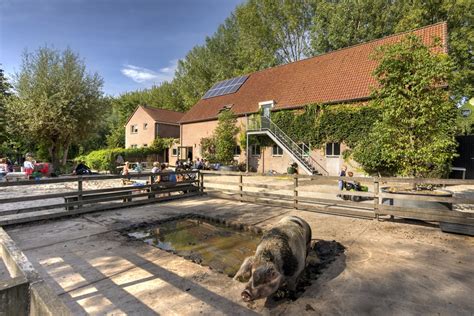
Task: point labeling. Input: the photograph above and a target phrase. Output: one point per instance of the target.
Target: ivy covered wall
(317, 124)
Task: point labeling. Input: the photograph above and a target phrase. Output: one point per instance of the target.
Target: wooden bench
(93, 196)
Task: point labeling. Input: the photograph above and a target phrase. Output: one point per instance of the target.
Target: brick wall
(143, 136)
(193, 132)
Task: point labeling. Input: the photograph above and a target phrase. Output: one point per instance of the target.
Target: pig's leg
(245, 271)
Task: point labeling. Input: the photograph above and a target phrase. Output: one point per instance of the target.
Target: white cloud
(144, 75)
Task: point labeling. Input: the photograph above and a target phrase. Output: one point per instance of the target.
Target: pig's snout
(246, 296)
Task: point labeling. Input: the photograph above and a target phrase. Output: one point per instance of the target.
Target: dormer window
(265, 107)
(226, 108)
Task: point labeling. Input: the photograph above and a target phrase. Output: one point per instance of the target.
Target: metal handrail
(300, 152)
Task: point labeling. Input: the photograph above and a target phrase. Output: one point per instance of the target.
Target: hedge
(105, 159)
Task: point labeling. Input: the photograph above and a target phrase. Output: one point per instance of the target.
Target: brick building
(342, 76)
(147, 123)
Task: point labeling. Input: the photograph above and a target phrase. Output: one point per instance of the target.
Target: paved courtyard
(388, 268)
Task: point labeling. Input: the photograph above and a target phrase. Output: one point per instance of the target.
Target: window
(333, 149)
(277, 151)
(175, 152)
(133, 146)
(305, 149)
(145, 145)
(255, 150)
(145, 125)
(134, 129)
(237, 151)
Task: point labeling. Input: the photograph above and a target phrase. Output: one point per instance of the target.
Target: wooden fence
(81, 201)
(453, 210)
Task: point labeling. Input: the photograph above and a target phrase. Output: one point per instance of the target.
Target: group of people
(165, 173)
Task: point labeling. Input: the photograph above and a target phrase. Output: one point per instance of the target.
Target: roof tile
(339, 76)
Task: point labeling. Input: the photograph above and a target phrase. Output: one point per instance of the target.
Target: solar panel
(225, 87)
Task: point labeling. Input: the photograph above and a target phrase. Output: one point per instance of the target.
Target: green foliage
(4, 97)
(208, 149)
(465, 124)
(415, 135)
(317, 125)
(220, 146)
(225, 133)
(338, 24)
(105, 159)
(160, 144)
(58, 103)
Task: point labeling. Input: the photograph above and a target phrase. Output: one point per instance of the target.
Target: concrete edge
(42, 300)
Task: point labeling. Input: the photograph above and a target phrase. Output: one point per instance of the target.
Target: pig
(278, 261)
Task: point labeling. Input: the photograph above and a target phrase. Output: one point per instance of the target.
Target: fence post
(201, 182)
(241, 187)
(79, 190)
(376, 198)
(295, 191)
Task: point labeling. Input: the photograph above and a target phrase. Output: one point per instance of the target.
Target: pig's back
(286, 245)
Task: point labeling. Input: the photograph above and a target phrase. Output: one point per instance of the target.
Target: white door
(333, 166)
(333, 161)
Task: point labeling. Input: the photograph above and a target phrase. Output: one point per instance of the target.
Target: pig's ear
(245, 271)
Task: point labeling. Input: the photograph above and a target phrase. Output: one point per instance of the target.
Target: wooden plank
(427, 181)
(95, 208)
(337, 191)
(428, 214)
(385, 207)
(249, 199)
(92, 177)
(454, 200)
(64, 194)
(269, 186)
(338, 211)
(126, 195)
(335, 202)
(312, 208)
(222, 182)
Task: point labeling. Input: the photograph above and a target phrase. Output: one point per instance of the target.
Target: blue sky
(132, 44)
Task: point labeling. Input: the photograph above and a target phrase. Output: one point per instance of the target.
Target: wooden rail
(83, 201)
(321, 194)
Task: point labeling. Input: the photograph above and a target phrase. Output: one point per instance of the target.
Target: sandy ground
(388, 268)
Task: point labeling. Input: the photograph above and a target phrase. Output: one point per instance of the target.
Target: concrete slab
(388, 268)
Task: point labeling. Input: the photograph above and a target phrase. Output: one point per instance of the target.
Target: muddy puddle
(220, 247)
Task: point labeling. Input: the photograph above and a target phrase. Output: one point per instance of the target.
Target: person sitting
(126, 169)
(138, 167)
(198, 165)
(3, 168)
(156, 167)
(342, 174)
(82, 169)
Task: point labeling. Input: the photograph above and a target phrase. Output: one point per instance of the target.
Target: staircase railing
(301, 152)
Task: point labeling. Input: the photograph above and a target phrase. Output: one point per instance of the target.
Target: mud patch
(218, 244)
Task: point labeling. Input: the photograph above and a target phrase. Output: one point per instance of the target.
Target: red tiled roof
(339, 76)
(162, 115)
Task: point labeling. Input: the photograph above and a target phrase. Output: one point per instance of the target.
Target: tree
(338, 24)
(280, 27)
(58, 103)
(415, 135)
(225, 137)
(4, 95)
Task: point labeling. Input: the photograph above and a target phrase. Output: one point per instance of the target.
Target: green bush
(104, 159)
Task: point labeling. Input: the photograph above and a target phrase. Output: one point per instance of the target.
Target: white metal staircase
(301, 154)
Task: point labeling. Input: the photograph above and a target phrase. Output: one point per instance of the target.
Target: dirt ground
(388, 268)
